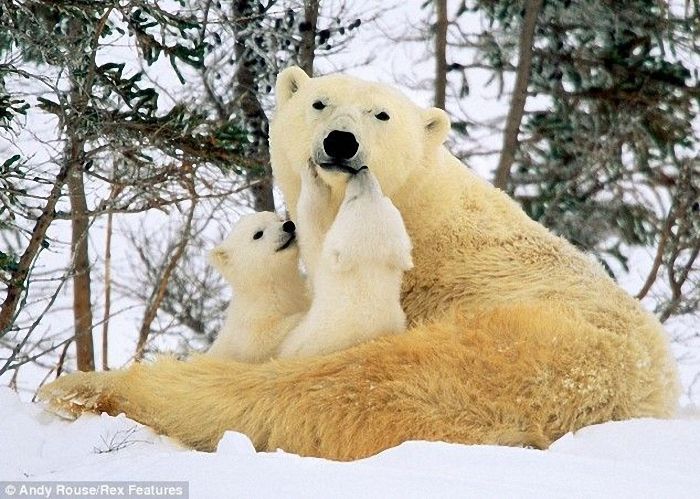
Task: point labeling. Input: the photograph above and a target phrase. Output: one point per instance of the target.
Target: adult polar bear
(516, 337)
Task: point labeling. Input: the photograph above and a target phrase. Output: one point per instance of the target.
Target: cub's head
(342, 123)
(260, 248)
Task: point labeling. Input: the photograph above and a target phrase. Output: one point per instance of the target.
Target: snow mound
(638, 458)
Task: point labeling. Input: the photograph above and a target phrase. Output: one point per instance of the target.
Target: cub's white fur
(357, 280)
(269, 294)
(315, 211)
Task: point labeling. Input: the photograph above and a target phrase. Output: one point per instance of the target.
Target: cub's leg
(315, 213)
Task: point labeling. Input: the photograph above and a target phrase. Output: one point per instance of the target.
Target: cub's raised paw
(362, 183)
(310, 174)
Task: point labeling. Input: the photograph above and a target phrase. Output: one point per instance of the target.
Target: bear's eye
(319, 105)
(258, 234)
(382, 116)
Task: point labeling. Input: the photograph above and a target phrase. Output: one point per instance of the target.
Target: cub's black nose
(288, 227)
(340, 145)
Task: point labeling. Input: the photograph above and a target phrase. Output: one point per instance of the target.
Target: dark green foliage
(621, 106)
(10, 108)
(117, 105)
(12, 172)
(72, 62)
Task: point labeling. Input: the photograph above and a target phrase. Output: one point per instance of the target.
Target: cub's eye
(258, 234)
(382, 116)
(318, 105)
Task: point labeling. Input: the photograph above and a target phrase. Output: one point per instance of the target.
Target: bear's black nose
(288, 227)
(340, 145)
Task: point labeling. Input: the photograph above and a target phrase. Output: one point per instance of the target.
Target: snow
(645, 457)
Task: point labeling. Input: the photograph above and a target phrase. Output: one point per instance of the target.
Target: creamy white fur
(316, 213)
(360, 263)
(516, 338)
(269, 292)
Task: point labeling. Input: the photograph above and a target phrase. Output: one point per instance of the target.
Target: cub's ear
(219, 258)
(437, 125)
(288, 82)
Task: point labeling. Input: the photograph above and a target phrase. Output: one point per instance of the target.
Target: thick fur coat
(260, 261)
(515, 337)
(357, 281)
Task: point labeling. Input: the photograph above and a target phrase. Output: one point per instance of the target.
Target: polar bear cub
(357, 280)
(260, 261)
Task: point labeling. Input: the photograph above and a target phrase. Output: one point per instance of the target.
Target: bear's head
(261, 248)
(342, 123)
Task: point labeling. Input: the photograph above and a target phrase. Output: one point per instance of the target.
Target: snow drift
(645, 457)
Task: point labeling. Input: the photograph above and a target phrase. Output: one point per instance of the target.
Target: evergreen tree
(611, 160)
(117, 136)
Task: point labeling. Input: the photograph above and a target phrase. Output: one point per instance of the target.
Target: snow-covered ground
(638, 458)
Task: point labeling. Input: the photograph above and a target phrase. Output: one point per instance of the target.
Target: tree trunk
(517, 105)
(254, 119)
(440, 53)
(307, 49)
(108, 292)
(82, 306)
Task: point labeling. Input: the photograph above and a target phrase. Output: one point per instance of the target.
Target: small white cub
(260, 261)
(357, 280)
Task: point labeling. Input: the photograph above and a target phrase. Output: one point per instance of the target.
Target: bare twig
(159, 292)
(440, 53)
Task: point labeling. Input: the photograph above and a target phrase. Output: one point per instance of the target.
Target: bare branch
(18, 277)
(440, 53)
(658, 259)
(517, 105)
(159, 293)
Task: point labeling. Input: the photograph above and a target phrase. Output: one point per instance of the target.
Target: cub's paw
(315, 193)
(362, 183)
(310, 175)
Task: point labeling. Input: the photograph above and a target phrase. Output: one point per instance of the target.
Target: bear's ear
(219, 258)
(288, 83)
(437, 125)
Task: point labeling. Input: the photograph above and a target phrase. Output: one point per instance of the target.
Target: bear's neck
(437, 206)
(426, 198)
